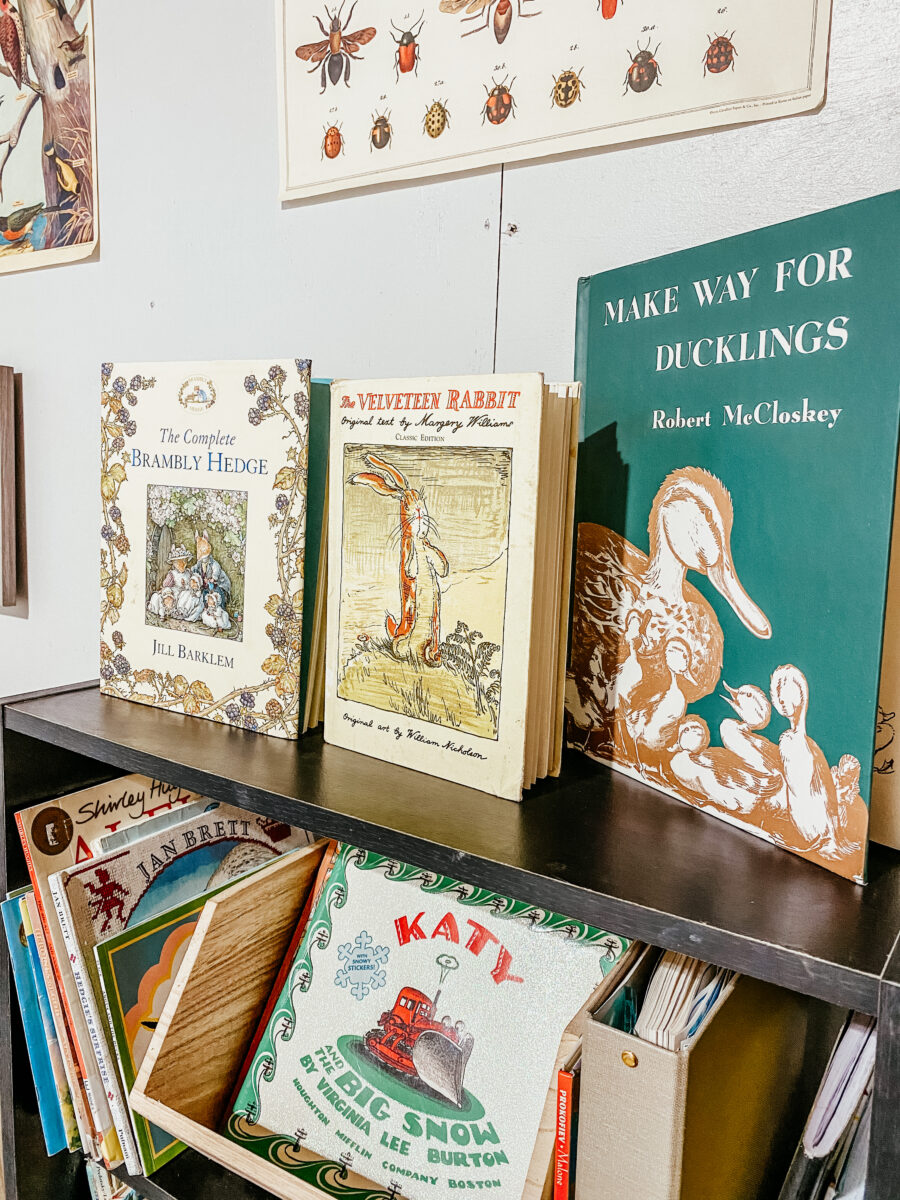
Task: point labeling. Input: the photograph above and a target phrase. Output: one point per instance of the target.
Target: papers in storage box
(681, 993)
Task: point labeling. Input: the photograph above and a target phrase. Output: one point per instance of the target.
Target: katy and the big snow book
(734, 507)
(419, 1031)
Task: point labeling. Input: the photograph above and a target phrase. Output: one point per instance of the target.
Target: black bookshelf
(592, 844)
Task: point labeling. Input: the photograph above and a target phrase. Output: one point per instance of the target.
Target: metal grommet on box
(629, 1059)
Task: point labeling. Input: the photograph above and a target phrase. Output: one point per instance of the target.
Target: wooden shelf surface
(592, 844)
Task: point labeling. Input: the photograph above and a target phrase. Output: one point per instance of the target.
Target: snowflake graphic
(362, 971)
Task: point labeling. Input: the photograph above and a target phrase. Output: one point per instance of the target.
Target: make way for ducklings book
(418, 1034)
(734, 506)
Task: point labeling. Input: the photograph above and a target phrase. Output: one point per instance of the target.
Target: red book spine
(564, 1100)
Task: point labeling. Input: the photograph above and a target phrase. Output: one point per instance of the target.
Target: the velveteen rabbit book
(450, 514)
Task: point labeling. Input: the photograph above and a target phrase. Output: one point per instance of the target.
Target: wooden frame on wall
(7, 488)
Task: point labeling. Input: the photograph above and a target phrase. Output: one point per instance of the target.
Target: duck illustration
(690, 530)
(812, 795)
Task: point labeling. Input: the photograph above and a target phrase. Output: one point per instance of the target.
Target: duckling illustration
(586, 713)
(742, 738)
(653, 719)
(630, 671)
(812, 795)
(712, 775)
(65, 175)
(853, 815)
(690, 530)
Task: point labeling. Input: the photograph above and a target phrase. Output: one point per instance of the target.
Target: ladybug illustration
(407, 57)
(436, 119)
(332, 142)
(381, 134)
(499, 103)
(608, 8)
(720, 54)
(644, 70)
(567, 88)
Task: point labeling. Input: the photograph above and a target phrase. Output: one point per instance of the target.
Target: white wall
(198, 260)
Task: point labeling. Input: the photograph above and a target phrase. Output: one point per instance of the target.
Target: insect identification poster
(48, 190)
(374, 91)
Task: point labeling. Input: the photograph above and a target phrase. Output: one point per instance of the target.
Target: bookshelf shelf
(592, 844)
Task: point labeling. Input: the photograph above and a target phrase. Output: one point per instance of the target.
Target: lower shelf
(190, 1176)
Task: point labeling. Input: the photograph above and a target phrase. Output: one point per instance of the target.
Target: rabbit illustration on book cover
(417, 627)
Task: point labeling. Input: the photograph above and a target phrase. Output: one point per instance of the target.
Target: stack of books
(119, 875)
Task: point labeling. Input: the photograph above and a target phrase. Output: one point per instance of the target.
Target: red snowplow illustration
(413, 1043)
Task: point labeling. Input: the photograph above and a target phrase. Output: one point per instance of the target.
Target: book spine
(562, 1157)
(147, 1166)
(70, 1066)
(117, 1108)
(48, 1104)
(582, 310)
(98, 1111)
(51, 950)
(42, 991)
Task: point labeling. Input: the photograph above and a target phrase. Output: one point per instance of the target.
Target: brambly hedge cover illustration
(375, 92)
(734, 508)
(432, 525)
(203, 468)
(396, 1045)
(48, 167)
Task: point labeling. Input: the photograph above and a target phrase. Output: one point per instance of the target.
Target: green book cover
(414, 1008)
(735, 498)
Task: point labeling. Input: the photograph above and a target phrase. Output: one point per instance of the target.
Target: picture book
(395, 1046)
(730, 580)
(111, 892)
(203, 496)
(374, 93)
(35, 1040)
(64, 832)
(449, 512)
(136, 969)
(42, 987)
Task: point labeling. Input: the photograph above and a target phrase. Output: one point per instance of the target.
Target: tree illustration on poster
(50, 205)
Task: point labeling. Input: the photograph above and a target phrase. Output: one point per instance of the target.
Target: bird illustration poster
(48, 160)
(204, 471)
(432, 526)
(395, 1047)
(731, 570)
(373, 92)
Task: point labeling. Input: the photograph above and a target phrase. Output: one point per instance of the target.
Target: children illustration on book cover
(197, 590)
(646, 644)
(424, 580)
